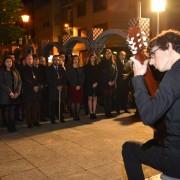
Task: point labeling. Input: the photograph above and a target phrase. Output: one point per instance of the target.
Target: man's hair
(168, 36)
(55, 56)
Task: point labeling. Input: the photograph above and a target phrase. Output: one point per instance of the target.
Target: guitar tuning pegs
(134, 52)
(138, 34)
(145, 44)
(144, 38)
(143, 33)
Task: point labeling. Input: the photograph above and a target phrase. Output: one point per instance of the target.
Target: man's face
(55, 61)
(160, 59)
(61, 60)
(13, 58)
(36, 61)
(42, 61)
(29, 60)
(122, 55)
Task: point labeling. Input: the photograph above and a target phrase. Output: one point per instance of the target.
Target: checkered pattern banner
(96, 32)
(143, 23)
(90, 39)
(66, 37)
(92, 36)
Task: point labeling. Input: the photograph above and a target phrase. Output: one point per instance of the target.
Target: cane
(59, 104)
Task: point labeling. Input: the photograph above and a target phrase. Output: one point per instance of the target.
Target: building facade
(56, 19)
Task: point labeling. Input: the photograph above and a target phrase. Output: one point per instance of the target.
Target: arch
(68, 45)
(49, 46)
(102, 38)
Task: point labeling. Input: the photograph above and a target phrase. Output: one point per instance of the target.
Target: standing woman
(91, 84)
(75, 81)
(10, 88)
(108, 75)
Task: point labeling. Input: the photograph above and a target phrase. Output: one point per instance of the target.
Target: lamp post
(158, 6)
(25, 19)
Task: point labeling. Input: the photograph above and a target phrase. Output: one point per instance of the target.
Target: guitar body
(138, 44)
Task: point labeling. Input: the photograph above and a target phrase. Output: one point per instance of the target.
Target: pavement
(75, 150)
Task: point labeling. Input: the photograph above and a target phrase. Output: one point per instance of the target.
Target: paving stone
(82, 176)
(33, 174)
(14, 167)
(7, 154)
(71, 151)
(111, 171)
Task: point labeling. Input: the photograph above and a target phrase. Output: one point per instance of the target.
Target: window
(99, 5)
(81, 8)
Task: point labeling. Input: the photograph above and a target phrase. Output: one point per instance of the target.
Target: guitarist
(165, 157)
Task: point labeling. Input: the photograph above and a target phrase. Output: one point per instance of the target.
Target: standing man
(165, 157)
(55, 81)
(31, 93)
(123, 81)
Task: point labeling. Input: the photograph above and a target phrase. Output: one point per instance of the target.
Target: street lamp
(25, 19)
(158, 6)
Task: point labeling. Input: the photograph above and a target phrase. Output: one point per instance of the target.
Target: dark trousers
(32, 113)
(54, 110)
(135, 154)
(9, 117)
(121, 96)
(107, 100)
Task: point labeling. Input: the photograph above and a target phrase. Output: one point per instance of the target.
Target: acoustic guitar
(138, 43)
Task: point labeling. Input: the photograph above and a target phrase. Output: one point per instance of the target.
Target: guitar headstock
(136, 39)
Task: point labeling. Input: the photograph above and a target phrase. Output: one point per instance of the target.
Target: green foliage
(10, 14)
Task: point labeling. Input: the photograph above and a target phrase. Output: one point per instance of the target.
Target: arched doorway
(52, 48)
(78, 46)
(112, 38)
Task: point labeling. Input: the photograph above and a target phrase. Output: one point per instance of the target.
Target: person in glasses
(165, 156)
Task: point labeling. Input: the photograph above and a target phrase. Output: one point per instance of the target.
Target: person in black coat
(123, 82)
(75, 81)
(10, 88)
(91, 84)
(55, 81)
(107, 79)
(31, 93)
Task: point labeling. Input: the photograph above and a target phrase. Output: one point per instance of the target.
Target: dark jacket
(107, 72)
(166, 103)
(10, 81)
(30, 79)
(75, 76)
(55, 78)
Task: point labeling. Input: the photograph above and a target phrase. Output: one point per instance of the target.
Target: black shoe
(76, 119)
(62, 120)
(91, 116)
(12, 130)
(109, 115)
(36, 124)
(29, 125)
(94, 116)
(126, 111)
(53, 122)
